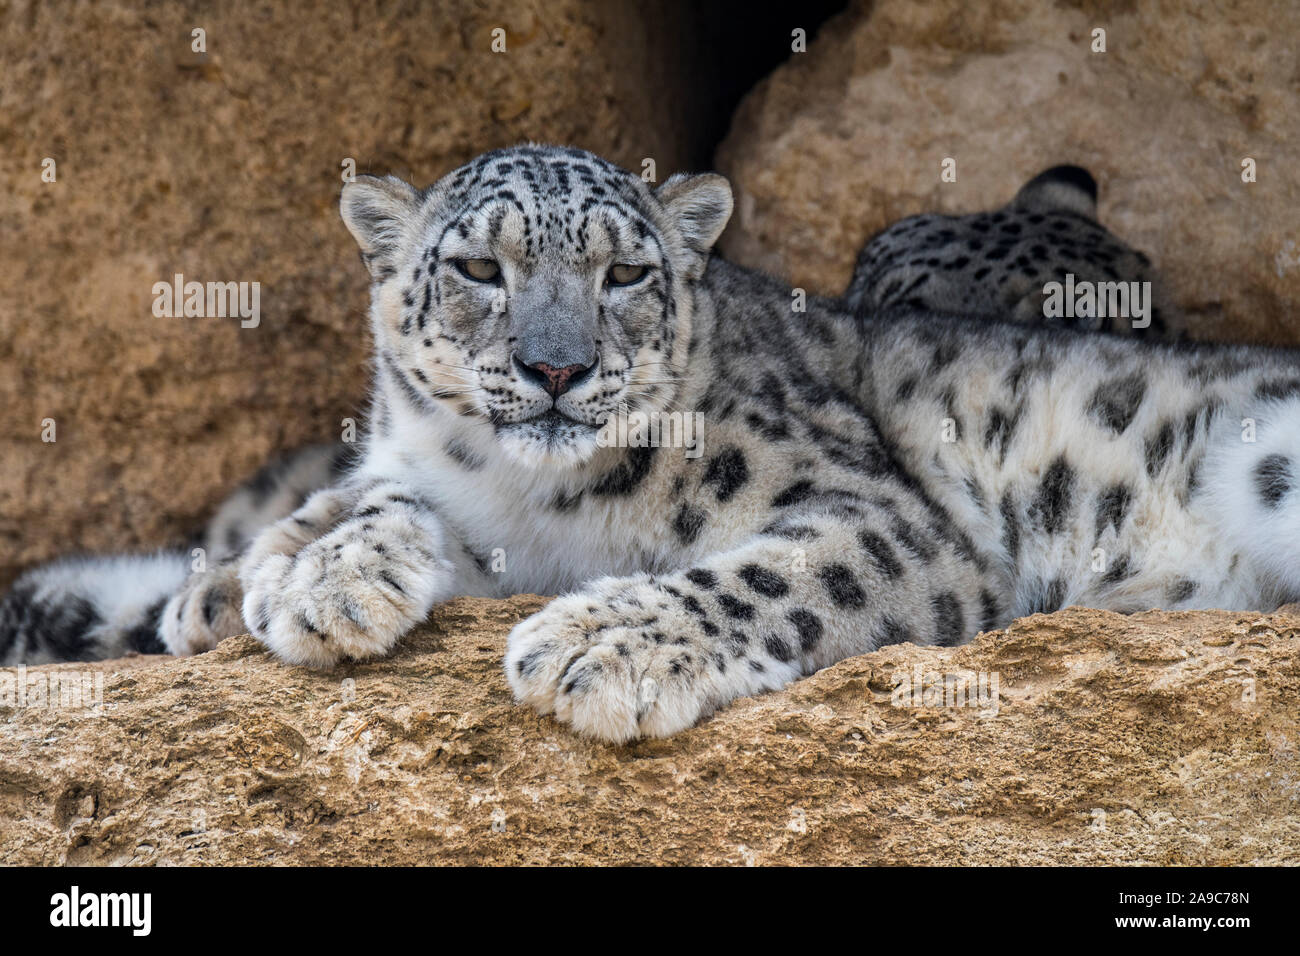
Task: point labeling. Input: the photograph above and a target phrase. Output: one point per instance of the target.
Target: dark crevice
(726, 48)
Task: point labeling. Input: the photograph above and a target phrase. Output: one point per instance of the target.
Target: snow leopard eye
(480, 270)
(622, 274)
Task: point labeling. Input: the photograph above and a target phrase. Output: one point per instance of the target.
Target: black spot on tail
(263, 484)
(15, 612)
(62, 628)
(143, 637)
(912, 540)
(213, 600)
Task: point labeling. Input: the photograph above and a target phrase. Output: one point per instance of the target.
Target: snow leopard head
(535, 289)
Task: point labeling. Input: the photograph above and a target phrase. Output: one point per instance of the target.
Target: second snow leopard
(863, 480)
(997, 264)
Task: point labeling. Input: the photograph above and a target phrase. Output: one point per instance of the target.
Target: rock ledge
(1160, 738)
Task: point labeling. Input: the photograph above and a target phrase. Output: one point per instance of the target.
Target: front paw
(619, 661)
(352, 593)
(205, 611)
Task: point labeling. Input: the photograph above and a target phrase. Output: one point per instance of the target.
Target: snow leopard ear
(376, 212)
(700, 205)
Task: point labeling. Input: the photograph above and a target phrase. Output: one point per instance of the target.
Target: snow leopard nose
(556, 381)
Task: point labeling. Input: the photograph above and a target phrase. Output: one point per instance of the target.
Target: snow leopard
(997, 263)
(857, 480)
(985, 264)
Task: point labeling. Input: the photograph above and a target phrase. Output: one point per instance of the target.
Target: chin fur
(535, 446)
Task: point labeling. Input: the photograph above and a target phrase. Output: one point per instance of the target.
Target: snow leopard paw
(352, 592)
(206, 610)
(619, 661)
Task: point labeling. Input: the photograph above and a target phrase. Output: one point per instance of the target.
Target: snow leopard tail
(89, 608)
(97, 607)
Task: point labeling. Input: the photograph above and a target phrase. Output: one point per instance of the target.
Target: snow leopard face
(538, 288)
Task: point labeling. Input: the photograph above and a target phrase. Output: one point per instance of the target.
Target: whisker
(669, 365)
(674, 405)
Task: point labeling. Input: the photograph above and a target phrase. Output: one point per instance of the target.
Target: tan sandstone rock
(1161, 738)
(848, 137)
(226, 166)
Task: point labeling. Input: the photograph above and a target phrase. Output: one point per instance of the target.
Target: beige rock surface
(848, 137)
(226, 166)
(1161, 738)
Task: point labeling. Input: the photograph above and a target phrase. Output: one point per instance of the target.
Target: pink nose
(557, 380)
